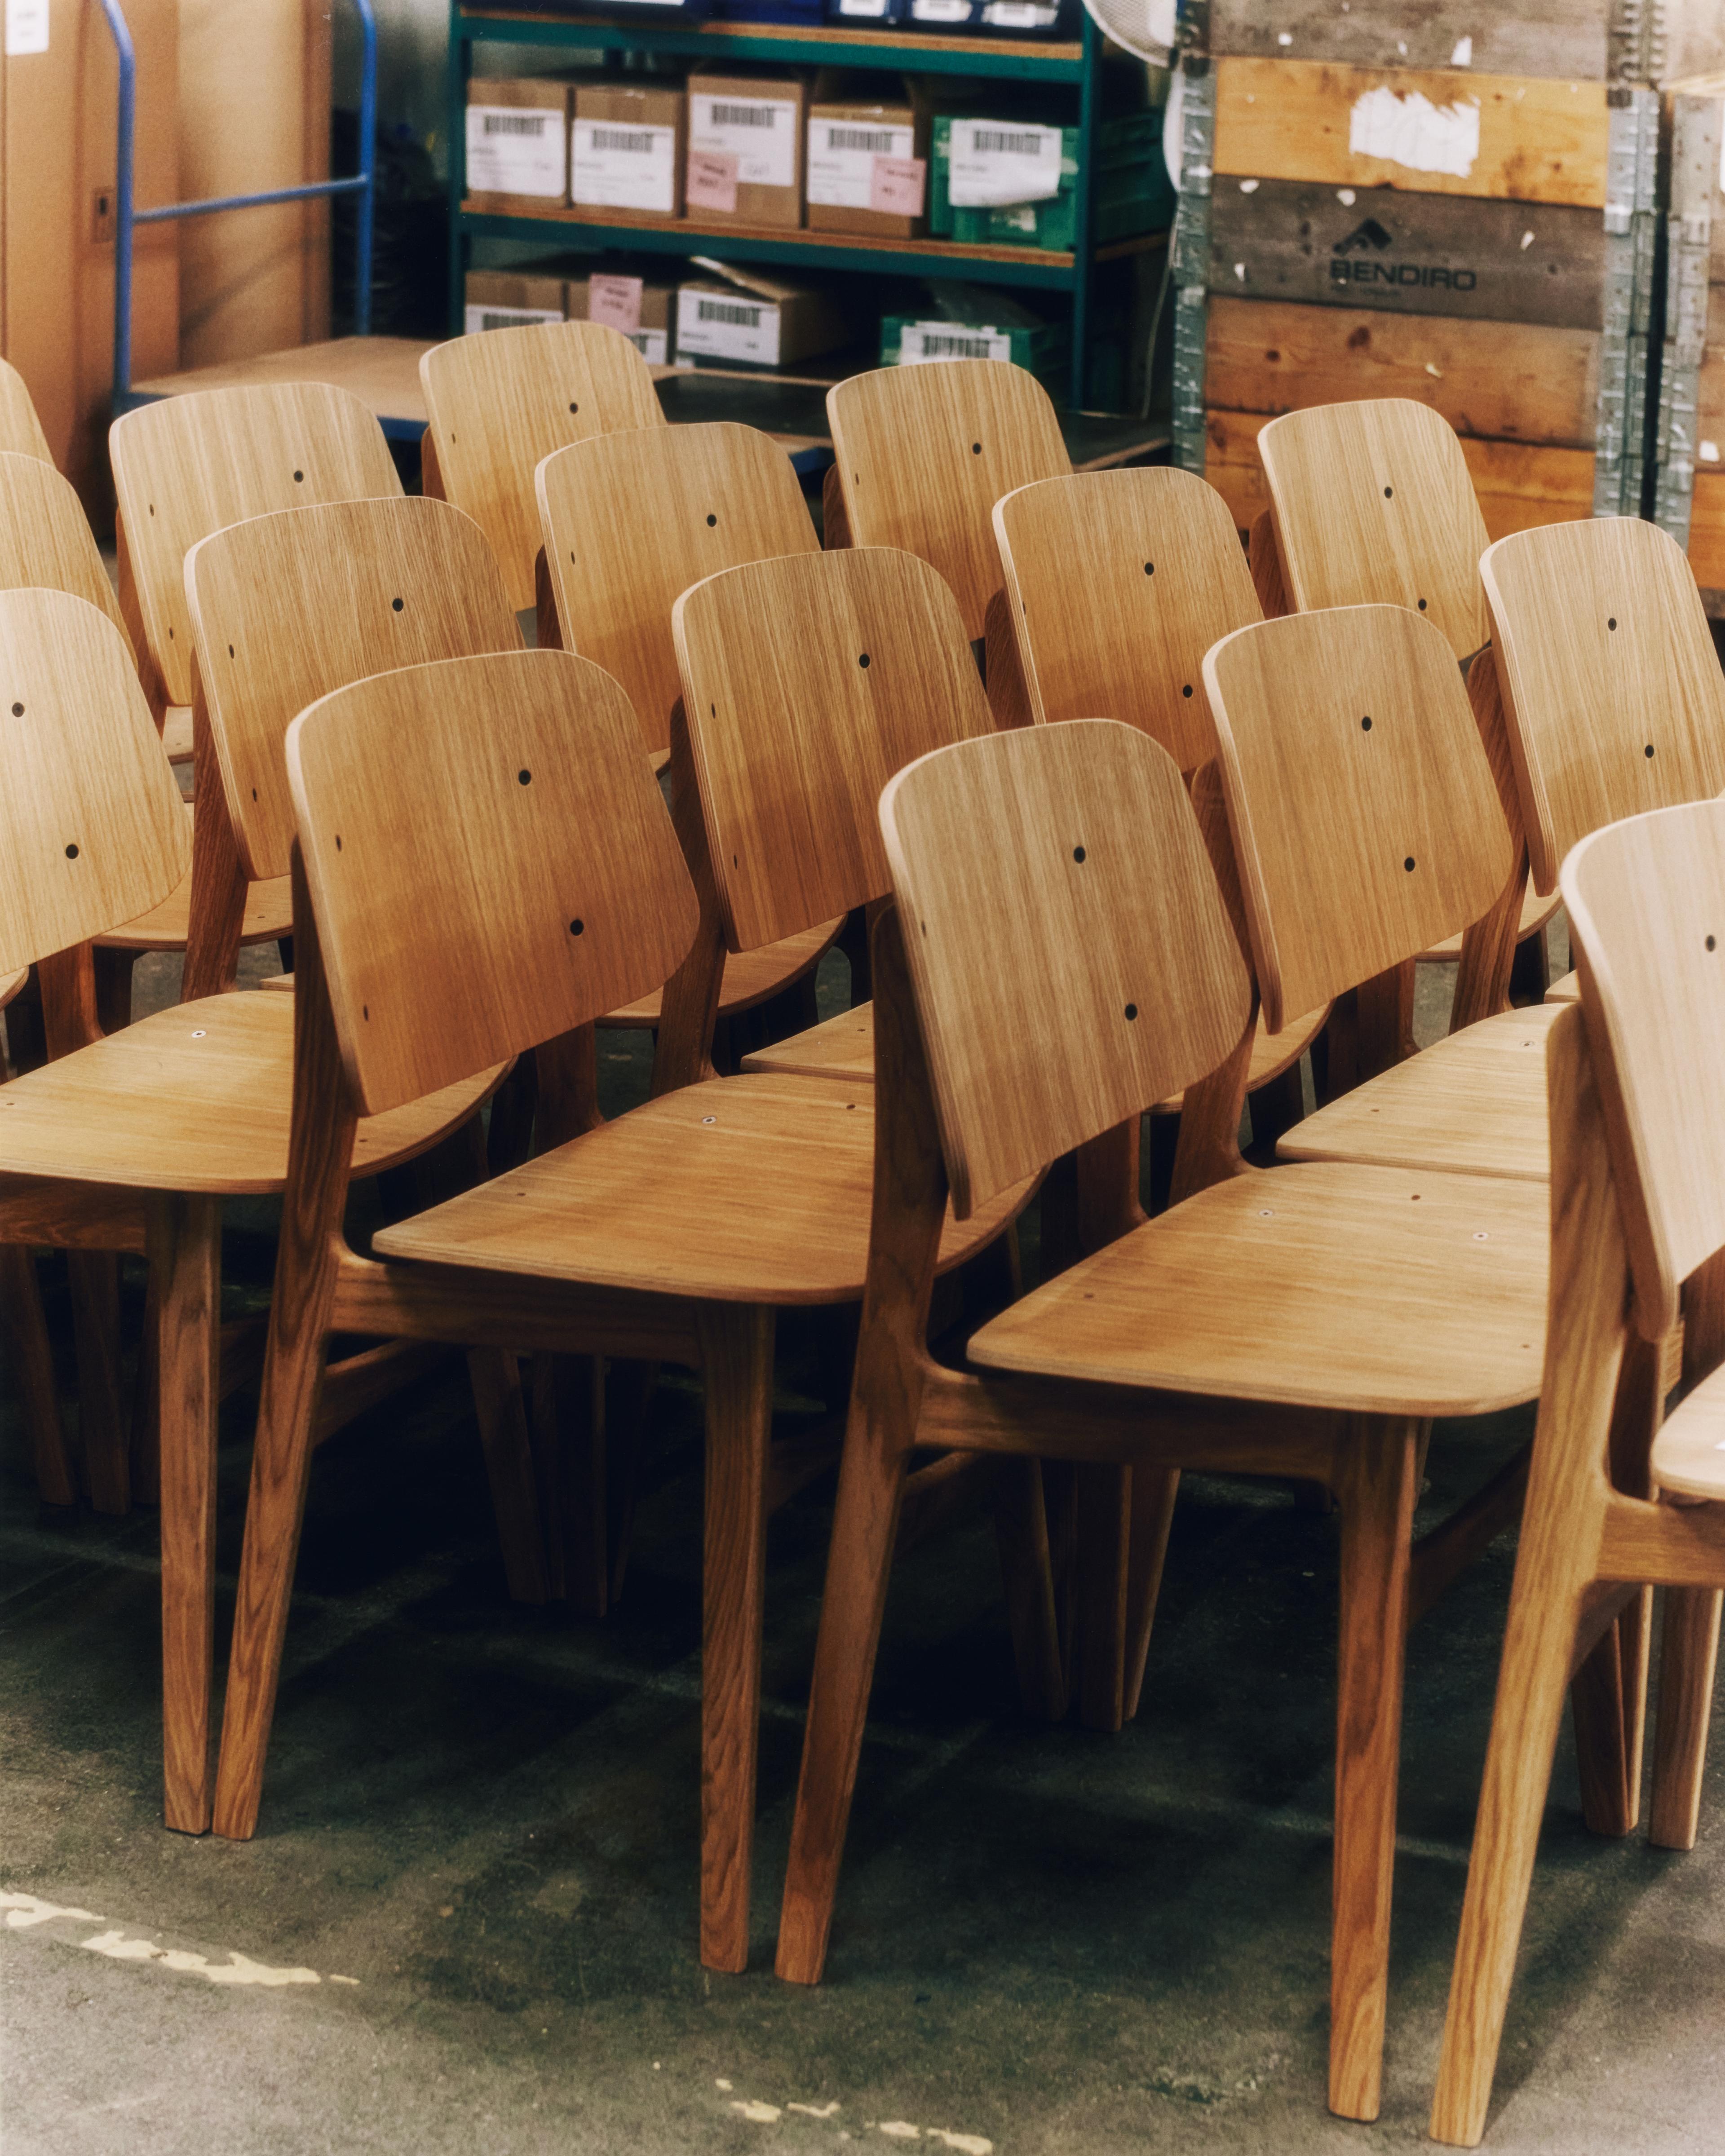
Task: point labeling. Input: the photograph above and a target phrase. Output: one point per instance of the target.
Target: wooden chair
(629, 522)
(1372, 503)
(921, 454)
(1638, 1212)
(20, 429)
(129, 1143)
(1068, 861)
(513, 879)
(1117, 584)
(501, 400)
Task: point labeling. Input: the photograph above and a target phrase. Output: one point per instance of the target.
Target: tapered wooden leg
(1026, 1565)
(102, 1420)
(736, 1371)
(1154, 1491)
(502, 1415)
(1609, 1696)
(1376, 1483)
(1104, 1531)
(32, 1367)
(1688, 1657)
(185, 1247)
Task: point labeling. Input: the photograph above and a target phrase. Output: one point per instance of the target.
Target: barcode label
(711, 326)
(1019, 15)
(650, 344)
(877, 141)
(761, 133)
(727, 311)
(511, 152)
(613, 167)
(993, 165)
(841, 160)
(475, 318)
(923, 342)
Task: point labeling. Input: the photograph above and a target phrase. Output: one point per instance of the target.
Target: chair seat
(269, 915)
(1365, 1290)
(1567, 989)
(1689, 1452)
(844, 1048)
(1535, 911)
(750, 977)
(738, 1190)
(1474, 1102)
(10, 983)
(176, 732)
(196, 1098)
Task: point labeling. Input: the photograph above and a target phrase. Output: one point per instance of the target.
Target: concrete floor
(468, 1920)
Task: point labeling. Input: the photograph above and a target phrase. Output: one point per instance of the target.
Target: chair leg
(102, 1420)
(1376, 1482)
(1608, 1696)
(145, 1450)
(502, 1416)
(736, 1371)
(1277, 1106)
(1104, 1532)
(1689, 1654)
(113, 987)
(185, 1246)
(1154, 1491)
(1021, 1531)
(33, 1359)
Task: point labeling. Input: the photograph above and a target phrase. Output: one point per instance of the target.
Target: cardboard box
(627, 151)
(505, 299)
(517, 143)
(640, 310)
(745, 158)
(867, 169)
(740, 318)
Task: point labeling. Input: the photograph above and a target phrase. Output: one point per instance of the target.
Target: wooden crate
(1554, 37)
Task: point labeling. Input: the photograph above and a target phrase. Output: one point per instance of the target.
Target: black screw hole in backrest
(574, 407)
(1650, 748)
(299, 479)
(1078, 852)
(576, 927)
(976, 449)
(71, 853)
(365, 1012)
(230, 650)
(1388, 492)
(1187, 690)
(524, 778)
(1612, 622)
(1149, 568)
(255, 793)
(17, 710)
(396, 605)
(1132, 1011)
(338, 842)
(1408, 865)
(1711, 944)
(1365, 726)
(1422, 606)
(711, 520)
(862, 659)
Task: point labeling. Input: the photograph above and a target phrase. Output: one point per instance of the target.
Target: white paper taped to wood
(26, 26)
(1409, 130)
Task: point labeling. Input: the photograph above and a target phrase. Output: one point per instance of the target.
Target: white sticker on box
(650, 344)
(940, 11)
(1409, 130)
(614, 167)
(920, 342)
(478, 318)
(841, 159)
(760, 132)
(710, 326)
(515, 149)
(873, 10)
(26, 28)
(1019, 15)
(995, 163)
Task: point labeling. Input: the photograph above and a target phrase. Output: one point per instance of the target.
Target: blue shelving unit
(736, 44)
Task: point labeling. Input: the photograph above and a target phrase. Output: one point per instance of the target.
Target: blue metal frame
(126, 216)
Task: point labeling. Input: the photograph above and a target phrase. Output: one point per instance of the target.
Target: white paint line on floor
(761, 2113)
(24, 1912)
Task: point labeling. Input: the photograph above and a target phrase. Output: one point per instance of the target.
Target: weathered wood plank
(1495, 379)
(1291, 120)
(1519, 486)
(1506, 37)
(1710, 401)
(1707, 531)
(1407, 253)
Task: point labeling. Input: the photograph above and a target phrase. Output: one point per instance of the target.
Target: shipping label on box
(843, 155)
(760, 132)
(615, 166)
(995, 162)
(920, 342)
(475, 318)
(518, 150)
(727, 326)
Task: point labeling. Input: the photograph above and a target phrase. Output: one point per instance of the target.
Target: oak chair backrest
(630, 520)
(1646, 904)
(20, 429)
(1119, 583)
(1613, 694)
(45, 538)
(1066, 861)
(501, 400)
(924, 452)
(186, 466)
(809, 681)
(1366, 824)
(1373, 503)
(489, 861)
(92, 830)
(413, 581)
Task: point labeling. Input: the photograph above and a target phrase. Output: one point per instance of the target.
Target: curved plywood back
(45, 539)
(186, 466)
(630, 520)
(1647, 905)
(276, 630)
(490, 863)
(924, 452)
(810, 682)
(92, 830)
(502, 400)
(1366, 824)
(20, 429)
(1119, 583)
(1071, 956)
(1373, 504)
(1612, 692)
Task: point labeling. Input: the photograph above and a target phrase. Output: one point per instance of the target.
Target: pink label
(895, 185)
(712, 181)
(615, 301)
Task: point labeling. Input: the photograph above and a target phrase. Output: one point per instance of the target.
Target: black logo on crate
(1358, 259)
